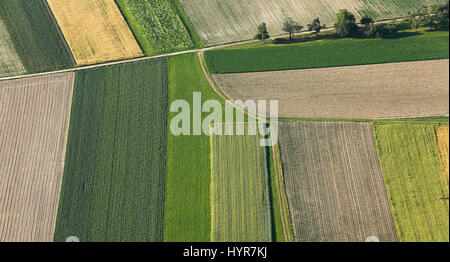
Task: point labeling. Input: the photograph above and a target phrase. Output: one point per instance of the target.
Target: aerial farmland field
(329, 53)
(160, 26)
(35, 35)
(418, 189)
(34, 122)
(10, 63)
(239, 189)
(95, 30)
(114, 178)
(334, 183)
(443, 143)
(401, 90)
(220, 22)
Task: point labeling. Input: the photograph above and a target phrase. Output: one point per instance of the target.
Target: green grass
(115, 166)
(187, 208)
(409, 46)
(412, 170)
(239, 190)
(188, 204)
(160, 26)
(35, 35)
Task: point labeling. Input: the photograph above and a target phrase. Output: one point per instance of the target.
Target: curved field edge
(409, 46)
(150, 38)
(282, 227)
(414, 177)
(35, 35)
(114, 176)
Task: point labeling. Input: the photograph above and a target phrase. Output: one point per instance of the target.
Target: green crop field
(410, 46)
(9, 61)
(415, 180)
(115, 166)
(219, 21)
(187, 210)
(239, 189)
(35, 35)
(159, 25)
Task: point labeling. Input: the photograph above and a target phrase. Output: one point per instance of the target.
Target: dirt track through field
(34, 120)
(334, 184)
(394, 90)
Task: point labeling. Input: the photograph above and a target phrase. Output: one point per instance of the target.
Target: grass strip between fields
(254, 57)
(114, 177)
(415, 180)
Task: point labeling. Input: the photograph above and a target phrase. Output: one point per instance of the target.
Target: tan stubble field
(34, 121)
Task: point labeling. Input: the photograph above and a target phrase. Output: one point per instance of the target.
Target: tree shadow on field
(305, 39)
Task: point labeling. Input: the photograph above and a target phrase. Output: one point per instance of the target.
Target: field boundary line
(132, 60)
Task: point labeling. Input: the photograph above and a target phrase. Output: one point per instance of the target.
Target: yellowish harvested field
(393, 90)
(443, 136)
(95, 30)
(34, 121)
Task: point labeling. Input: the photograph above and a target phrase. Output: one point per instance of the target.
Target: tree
(430, 21)
(366, 20)
(412, 21)
(262, 33)
(441, 15)
(291, 27)
(315, 26)
(381, 30)
(345, 23)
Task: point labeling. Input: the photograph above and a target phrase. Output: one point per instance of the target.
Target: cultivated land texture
(187, 210)
(35, 35)
(415, 180)
(408, 46)
(159, 25)
(334, 183)
(396, 90)
(442, 136)
(34, 121)
(218, 21)
(9, 61)
(114, 177)
(239, 189)
(95, 30)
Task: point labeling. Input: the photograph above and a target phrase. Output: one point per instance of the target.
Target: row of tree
(437, 16)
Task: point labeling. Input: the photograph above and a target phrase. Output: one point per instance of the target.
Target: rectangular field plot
(34, 122)
(394, 90)
(442, 136)
(239, 190)
(35, 35)
(9, 61)
(95, 30)
(159, 25)
(414, 177)
(114, 177)
(218, 21)
(334, 184)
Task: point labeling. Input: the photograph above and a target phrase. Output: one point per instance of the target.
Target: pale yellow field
(34, 123)
(95, 30)
(442, 135)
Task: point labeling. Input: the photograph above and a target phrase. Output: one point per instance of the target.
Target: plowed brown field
(34, 119)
